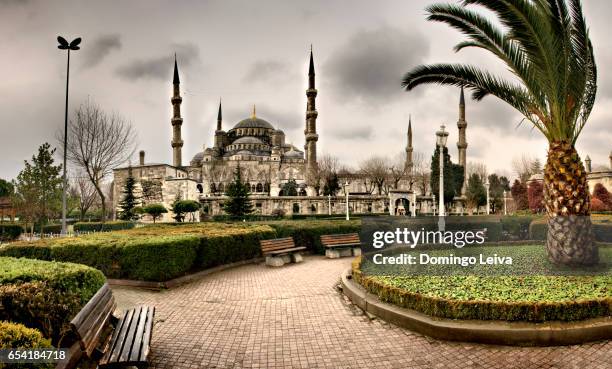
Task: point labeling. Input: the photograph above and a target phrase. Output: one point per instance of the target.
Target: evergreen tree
(6, 188)
(177, 208)
(290, 188)
(332, 185)
(38, 189)
(238, 202)
(475, 192)
(453, 176)
(129, 202)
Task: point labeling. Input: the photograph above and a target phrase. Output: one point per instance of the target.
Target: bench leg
(356, 251)
(274, 261)
(296, 257)
(332, 254)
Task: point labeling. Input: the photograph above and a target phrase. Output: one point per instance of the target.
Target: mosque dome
(248, 140)
(253, 122)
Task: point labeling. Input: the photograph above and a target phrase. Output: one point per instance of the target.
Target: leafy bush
(10, 232)
(511, 298)
(13, 335)
(45, 295)
(308, 233)
(603, 231)
(516, 228)
(52, 228)
(103, 227)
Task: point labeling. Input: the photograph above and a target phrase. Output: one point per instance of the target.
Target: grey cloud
(352, 133)
(100, 48)
(14, 2)
(370, 65)
(159, 67)
(265, 70)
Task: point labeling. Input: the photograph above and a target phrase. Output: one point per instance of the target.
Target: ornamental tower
(409, 149)
(311, 120)
(219, 134)
(462, 143)
(177, 121)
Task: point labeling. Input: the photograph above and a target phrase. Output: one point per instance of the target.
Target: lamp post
(505, 202)
(329, 204)
(64, 45)
(433, 204)
(442, 136)
(347, 199)
(487, 185)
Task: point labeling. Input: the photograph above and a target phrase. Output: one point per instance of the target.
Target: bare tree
(525, 167)
(85, 191)
(421, 172)
(97, 143)
(375, 171)
(477, 168)
(398, 170)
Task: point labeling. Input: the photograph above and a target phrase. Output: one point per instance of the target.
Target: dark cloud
(369, 66)
(158, 67)
(266, 70)
(95, 51)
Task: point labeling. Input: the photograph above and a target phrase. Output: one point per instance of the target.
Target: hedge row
(45, 295)
(10, 232)
(484, 309)
(14, 335)
(103, 227)
(308, 233)
(602, 231)
(155, 253)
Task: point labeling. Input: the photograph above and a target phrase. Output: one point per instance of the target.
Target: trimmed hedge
(153, 253)
(102, 227)
(308, 232)
(470, 309)
(52, 228)
(13, 335)
(10, 232)
(45, 295)
(602, 230)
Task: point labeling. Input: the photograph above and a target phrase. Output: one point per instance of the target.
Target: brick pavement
(294, 317)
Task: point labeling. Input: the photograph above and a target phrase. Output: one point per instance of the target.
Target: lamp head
(442, 136)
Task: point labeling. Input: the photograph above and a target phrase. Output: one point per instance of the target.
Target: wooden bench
(280, 251)
(110, 341)
(337, 245)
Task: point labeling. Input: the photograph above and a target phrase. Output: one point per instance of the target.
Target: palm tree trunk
(570, 239)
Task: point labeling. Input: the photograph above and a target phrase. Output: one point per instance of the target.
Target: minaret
(409, 149)
(311, 119)
(219, 131)
(462, 143)
(177, 121)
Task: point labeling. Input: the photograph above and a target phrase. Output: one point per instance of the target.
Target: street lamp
(487, 184)
(329, 204)
(64, 45)
(433, 204)
(347, 199)
(505, 202)
(442, 136)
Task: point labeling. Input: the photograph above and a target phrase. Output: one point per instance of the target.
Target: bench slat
(129, 338)
(77, 321)
(93, 337)
(120, 339)
(278, 246)
(113, 341)
(136, 346)
(144, 352)
(284, 251)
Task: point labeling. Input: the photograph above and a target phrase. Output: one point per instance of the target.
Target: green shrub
(10, 232)
(13, 335)
(538, 229)
(452, 296)
(308, 232)
(52, 229)
(103, 227)
(45, 295)
(602, 230)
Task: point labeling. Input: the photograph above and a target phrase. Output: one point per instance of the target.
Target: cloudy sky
(255, 52)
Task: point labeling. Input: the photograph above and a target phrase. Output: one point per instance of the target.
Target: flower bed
(533, 298)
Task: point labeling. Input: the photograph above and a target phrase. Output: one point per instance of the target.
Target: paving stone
(255, 316)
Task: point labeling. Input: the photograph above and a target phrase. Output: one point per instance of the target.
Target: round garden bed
(547, 310)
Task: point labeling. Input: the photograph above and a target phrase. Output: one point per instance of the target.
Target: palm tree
(546, 46)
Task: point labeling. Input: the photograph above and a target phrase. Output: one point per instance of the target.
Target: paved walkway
(294, 317)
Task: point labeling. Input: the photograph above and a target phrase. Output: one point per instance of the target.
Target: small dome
(244, 152)
(248, 140)
(197, 158)
(293, 153)
(253, 123)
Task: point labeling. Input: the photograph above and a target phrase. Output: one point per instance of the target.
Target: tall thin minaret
(409, 148)
(311, 119)
(219, 131)
(462, 143)
(177, 121)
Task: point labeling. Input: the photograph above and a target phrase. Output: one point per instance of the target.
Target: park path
(294, 317)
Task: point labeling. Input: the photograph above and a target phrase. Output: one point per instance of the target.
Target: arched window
(252, 188)
(213, 188)
(302, 192)
(221, 188)
(200, 189)
(266, 187)
(259, 187)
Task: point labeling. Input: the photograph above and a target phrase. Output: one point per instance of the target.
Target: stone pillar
(311, 121)
(177, 121)
(462, 143)
(142, 157)
(587, 162)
